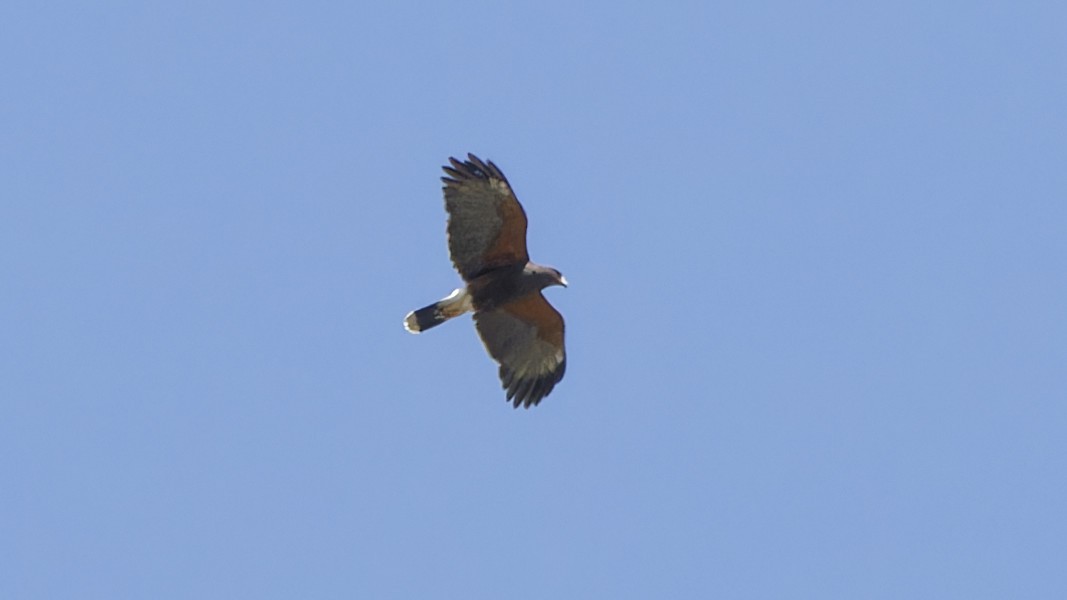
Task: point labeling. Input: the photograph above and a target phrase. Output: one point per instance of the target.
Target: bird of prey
(487, 242)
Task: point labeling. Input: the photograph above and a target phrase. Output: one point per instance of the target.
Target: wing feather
(486, 225)
(526, 337)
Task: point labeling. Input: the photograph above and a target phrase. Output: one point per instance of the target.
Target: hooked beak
(563, 281)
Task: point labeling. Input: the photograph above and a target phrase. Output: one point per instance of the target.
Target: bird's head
(544, 276)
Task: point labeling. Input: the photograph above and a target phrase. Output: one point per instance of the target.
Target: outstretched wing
(486, 224)
(526, 337)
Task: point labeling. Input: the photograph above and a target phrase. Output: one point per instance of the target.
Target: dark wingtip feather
(529, 392)
(522, 389)
(506, 375)
(495, 171)
(472, 168)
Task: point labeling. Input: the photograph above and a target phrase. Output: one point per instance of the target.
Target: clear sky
(817, 320)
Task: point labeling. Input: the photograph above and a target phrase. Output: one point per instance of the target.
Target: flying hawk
(487, 241)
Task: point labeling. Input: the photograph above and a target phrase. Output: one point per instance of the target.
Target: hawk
(487, 241)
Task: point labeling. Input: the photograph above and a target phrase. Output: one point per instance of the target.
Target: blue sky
(816, 323)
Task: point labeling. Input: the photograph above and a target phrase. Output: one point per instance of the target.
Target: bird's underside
(487, 244)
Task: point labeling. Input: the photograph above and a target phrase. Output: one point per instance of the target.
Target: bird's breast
(495, 288)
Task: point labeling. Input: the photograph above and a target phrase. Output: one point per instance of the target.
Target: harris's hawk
(487, 241)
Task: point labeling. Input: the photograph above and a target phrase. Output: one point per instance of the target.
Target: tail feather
(433, 315)
(424, 318)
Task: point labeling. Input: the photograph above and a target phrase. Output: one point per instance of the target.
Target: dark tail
(425, 318)
(457, 303)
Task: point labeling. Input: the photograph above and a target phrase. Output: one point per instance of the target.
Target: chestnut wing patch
(526, 337)
(486, 224)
